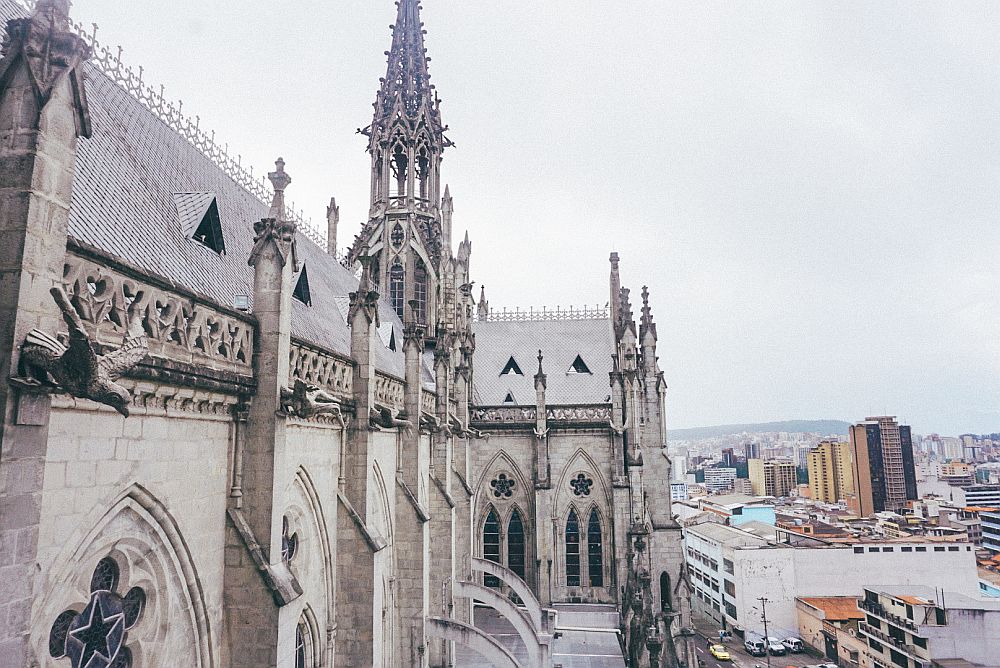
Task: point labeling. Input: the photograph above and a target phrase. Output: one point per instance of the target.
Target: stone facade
(322, 458)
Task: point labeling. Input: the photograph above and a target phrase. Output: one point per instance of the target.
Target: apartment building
(772, 477)
(920, 627)
(830, 474)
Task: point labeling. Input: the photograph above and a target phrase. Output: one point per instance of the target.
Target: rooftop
(835, 608)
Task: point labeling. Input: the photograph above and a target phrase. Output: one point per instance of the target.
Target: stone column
(355, 559)
(441, 504)
(252, 609)
(544, 547)
(461, 496)
(412, 535)
(42, 113)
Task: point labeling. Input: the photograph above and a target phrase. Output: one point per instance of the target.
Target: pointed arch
(571, 540)
(595, 549)
(582, 461)
(307, 490)
(501, 461)
(420, 290)
(143, 538)
(516, 544)
(491, 542)
(308, 646)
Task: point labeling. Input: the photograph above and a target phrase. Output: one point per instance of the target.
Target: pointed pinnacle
(279, 181)
(540, 372)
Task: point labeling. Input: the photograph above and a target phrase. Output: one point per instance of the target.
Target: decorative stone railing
(428, 402)
(179, 328)
(532, 314)
(600, 413)
(389, 391)
(331, 374)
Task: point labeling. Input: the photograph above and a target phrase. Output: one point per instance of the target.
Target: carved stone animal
(306, 401)
(77, 369)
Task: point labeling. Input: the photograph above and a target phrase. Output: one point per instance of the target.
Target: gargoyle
(306, 401)
(382, 418)
(77, 369)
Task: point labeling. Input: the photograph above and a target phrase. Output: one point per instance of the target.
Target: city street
(743, 660)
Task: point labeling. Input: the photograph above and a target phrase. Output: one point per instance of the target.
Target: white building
(678, 491)
(977, 495)
(719, 479)
(750, 568)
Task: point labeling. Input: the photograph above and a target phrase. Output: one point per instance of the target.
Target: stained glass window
(595, 553)
(491, 544)
(515, 544)
(572, 550)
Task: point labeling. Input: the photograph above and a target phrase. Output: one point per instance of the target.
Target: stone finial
(279, 181)
(275, 228)
(540, 371)
(57, 9)
(647, 325)
(332, 221)
(483, 310)
(366, 297)
(614, 260)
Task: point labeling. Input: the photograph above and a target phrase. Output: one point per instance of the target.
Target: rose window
(97, 636)
(581, 485)
(503, 487)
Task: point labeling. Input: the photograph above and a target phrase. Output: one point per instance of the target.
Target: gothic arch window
(375, 270)
(399, 164)
(397, 237)
(572, 550)
(666, 600)
(423, 170)
(396, 282)
(515, 544)
(595, 550)
(98, 635)
(300, 645)
(491, 544)
(420, 291)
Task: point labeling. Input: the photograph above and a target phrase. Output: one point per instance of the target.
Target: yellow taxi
(720, 653)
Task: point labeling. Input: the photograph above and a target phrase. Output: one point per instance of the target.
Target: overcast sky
(810, 190)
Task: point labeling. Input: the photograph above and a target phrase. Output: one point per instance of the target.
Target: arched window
(515, 544)
(396, 279)
(423, 170)
(300, 645)
(420, 291)
(491, 544)
(398, 164)
(595, 553)
(666, 601)
(572, 550)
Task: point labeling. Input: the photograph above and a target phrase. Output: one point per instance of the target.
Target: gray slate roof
(126, 202)
(560, 342)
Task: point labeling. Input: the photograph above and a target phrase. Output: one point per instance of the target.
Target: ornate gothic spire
(406, 90)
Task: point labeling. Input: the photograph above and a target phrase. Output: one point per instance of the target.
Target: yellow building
(830, 477)
(771, 477)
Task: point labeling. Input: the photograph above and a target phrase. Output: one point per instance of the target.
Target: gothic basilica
(229, 441)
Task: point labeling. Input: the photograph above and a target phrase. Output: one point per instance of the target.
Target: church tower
(404, 233)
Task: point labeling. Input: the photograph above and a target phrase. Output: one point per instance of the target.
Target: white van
(792, 644)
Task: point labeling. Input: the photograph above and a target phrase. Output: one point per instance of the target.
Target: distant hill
(814, 426)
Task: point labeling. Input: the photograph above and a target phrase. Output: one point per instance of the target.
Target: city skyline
(811, 184)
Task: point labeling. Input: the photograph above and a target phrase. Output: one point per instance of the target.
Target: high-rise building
(752, 450)
(728, 457)
(830, 475)
(719, 479)
(772, 477)
(884, 477)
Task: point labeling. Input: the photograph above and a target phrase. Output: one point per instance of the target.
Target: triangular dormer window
(509, 399)
(301, 291)
(199, 218)
(511, 367)
(392, 340)
(579, 366)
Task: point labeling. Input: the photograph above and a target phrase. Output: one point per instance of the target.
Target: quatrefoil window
(503, 487)
(289, 542)
(97, 636)
(581, 485)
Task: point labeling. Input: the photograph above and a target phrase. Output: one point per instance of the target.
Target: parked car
(792, 644)
(720, 653)
(755, 646)
(775, 648)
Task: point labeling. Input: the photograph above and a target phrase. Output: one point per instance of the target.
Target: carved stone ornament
(366, 297)
(382, 418)
(50, 51)
(279, 232)
(77, 369)
(307, 401)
